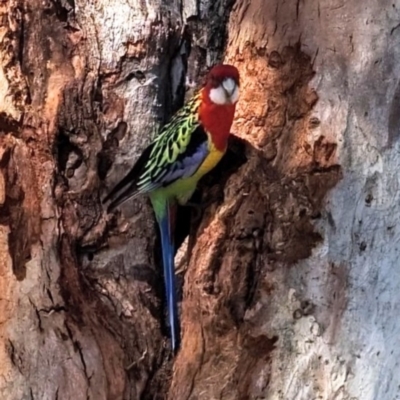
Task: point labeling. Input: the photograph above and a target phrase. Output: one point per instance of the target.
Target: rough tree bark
(290, 276)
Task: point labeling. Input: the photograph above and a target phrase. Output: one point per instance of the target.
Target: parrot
(186, 148)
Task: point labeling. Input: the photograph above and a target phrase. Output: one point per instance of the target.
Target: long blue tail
(166, 229)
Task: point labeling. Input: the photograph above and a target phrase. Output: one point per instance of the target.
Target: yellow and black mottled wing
(176, 153)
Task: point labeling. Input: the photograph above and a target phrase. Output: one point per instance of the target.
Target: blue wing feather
(186, 167)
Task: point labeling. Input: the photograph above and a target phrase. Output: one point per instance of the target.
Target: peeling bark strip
(290, 292)
(20, 209)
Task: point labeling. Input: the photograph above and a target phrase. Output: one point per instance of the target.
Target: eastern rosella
(186, 148)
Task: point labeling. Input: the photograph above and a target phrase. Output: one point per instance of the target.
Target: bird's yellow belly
(183, 189)
(209, 163)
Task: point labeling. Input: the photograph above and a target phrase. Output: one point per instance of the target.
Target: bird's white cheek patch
(218, 96)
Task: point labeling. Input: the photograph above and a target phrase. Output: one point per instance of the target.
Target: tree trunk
(290, 275)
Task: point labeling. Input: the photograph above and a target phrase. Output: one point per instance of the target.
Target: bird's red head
(222, 84)
(219, 97)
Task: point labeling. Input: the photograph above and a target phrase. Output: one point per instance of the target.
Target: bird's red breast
(217, 119)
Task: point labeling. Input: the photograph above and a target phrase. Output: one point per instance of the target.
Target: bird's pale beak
(229, 86)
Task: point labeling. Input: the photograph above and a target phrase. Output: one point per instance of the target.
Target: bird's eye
(213, 81)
